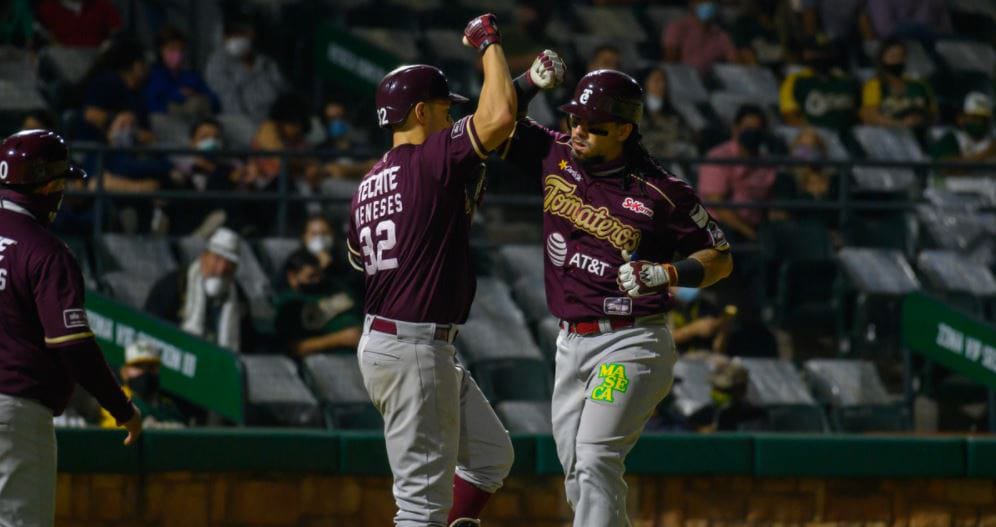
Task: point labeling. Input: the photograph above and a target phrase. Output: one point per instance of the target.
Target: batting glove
(481, 32)
(642, 278)
(547, 71)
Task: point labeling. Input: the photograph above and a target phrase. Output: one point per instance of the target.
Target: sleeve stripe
(353, 264)
(351, 249)
(69, 338)
(508, 142)
(474, 141)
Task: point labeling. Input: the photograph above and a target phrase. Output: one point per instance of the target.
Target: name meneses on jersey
(372, 203)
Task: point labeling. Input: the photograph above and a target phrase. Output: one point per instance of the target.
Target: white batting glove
(547, 71)
(642, 278)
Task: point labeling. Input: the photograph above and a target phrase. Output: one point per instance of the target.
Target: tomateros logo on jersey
(638, 207)
(559, 199)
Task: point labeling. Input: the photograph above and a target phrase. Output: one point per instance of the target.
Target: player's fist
(547, 71)
(642, 278)
(133, 426)
(481, 32)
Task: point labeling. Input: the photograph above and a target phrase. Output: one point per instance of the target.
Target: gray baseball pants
(436, 421)
(606, 388)
(27, 463)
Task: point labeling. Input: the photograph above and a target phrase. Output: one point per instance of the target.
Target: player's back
(410, 225)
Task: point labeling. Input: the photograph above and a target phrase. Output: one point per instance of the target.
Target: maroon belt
(593, 327)
(388, 326)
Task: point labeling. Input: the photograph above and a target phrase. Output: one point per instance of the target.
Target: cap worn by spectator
(142, 352)
(225, 243)
(978, 104)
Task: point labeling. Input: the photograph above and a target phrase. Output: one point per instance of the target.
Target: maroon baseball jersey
(41, 308)
(590, 218)
(409, 224)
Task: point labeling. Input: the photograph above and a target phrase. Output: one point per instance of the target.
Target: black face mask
(896, 70)
(751, 139)
(145, 385)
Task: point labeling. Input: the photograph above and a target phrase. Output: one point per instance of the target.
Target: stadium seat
(525, 417)
(692, 390)
(170, 130)
(139, 255)
(530, 294)
(684, 84)
(275, 252)
(856, 396)
(275, 395)
(887, 144)
(726, 104)
(517, 261)
(878, 271)
(968, 56)
(546, 336)
(128, 288)
(16, 66)
(338, 384)
(68, 64)
(891, 230)
(962, 282)
(755, 81)
(777, 387)
(19, 97)
(239, 130)
(799, 271)
(81, 250)
(618, 23)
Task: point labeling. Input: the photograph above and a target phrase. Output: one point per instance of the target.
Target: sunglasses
(574, 121)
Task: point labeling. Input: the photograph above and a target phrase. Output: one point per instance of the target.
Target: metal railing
(845, 203)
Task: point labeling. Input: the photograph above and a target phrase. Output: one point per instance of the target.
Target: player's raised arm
(495, 115)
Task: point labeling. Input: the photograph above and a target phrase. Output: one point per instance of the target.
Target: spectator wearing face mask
(246, 82)
(173, 87)
(740, 183)
(973, 139)
(819, 94)
(79, 23)
(204, 299)
(129, 171)
(892, 99)
(697, 39)
(316, 313)
(808, 182)
(663, 129)
(140, 383)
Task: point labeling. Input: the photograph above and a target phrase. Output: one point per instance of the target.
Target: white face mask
(654, 103)
(319, 244)
(215, 286)
(238, 47)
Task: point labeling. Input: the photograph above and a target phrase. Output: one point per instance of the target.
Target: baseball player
(619, 230)
(409, 233)
(46, 345)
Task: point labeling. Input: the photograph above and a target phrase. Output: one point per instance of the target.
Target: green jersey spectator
(140, 376)
(819, 94)
(891, 99)
(315, 314)
(973, 139)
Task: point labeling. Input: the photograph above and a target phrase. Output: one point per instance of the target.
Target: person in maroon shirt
(619, 230)
(46, 345)
(409, 233)
(79, 23)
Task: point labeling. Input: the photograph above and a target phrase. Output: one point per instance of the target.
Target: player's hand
(642, 278)
(133, 425)
(547, 71)
(481, 32)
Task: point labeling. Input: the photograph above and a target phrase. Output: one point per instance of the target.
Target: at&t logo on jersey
(556, 248)
(638, 207)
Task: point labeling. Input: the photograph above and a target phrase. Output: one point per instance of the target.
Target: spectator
(910, 18)
(246, 82)
(664, 130)
(204, 299)
(755, 34)
(204, 173)
(129, 171)
(605, 57)
(140, 379)
(808, 182)
(38, 120)
(285, 129)
(117, 87)
(697, 40)
(734, 412)
(891, 99)
(173, 87)
(973, 139)
(79, 23)
(740, 183)
(696, 323)
(340, 135)
(16, 23)
(315, 314)
(796, 22)
(318, 239)
(819, 94)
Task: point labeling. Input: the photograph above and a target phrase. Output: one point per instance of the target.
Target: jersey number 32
(375, 255)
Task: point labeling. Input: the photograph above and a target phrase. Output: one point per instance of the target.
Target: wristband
(525, 90)
(690, 273)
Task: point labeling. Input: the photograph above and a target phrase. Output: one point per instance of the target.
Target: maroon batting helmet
(406, 86)
(607, 95)
(33, 157)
